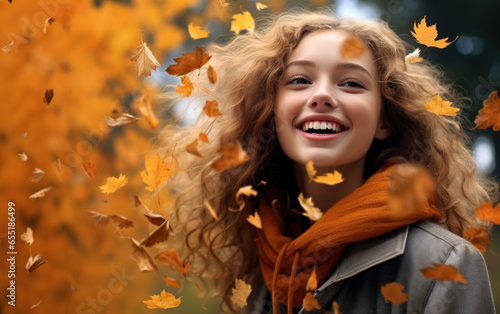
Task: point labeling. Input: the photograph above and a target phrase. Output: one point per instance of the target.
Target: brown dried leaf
(212, 75)
(145, 60)
(38, 175)
(189, 62)
(121, 222)
(142, 258)
(47, 97)
(489, 115)
(28, 236)
(40, 193)
(35, 262)
(125, 118)
(232, 155)
(241, 291)
(100, 219)
(155, 219)
(172, 258)
(160, 234)
(90, 169)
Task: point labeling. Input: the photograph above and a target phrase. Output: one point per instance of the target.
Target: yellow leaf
(414, 57)
(145, 61)
(212, 75)
(352, 48)
(311, 172)
(186, 88)
(393, 292)
(241, 291)
(260, 6)
(157, 172)
(28, 236)
(489, 115)
(192, 148)
(210, 209)
(313, 213)
(255, 220)
(211, 108)
(163, 301)
(426, 35)
(231, 155)
(441, 107)
(189, 62)
(40, 193)
(310, 302)
(113, 184)
(242, 22)
(196, 32)
(330, 178)
(173, 259)
(312, 282)
(443, 272)
(203, 137)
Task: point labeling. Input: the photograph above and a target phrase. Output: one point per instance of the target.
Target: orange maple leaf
(330, 178)
(310, 303)
(196, 32)
(211, 108)
(352, 47)
(171, 282)
(203, 137)
(241, 291)
(231, 155)
(443, 272)
(186, 88)
(487, 212)
(189, 62)
(113, 184)
(489, 115)
(441, 107)
(145, 61)
(478, 238)
(163, 301)
(393, 292)
(212, 75)
(242, 22)
(426, 35)
(157, 172)
(173, 259)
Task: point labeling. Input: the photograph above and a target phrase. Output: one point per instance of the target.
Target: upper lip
(319, 117)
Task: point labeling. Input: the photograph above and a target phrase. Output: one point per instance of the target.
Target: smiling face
(328, 109)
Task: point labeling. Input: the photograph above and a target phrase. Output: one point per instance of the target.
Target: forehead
(331, 46)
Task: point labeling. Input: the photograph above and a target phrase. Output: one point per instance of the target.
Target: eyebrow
(340, 66)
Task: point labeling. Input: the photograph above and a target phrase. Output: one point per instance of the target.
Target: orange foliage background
(85, 58)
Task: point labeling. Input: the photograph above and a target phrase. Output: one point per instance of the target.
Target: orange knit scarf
(287, 264)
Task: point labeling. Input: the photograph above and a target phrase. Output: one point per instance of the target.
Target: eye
(353, 83)
(295, 80)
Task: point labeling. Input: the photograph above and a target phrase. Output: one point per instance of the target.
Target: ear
(383, 130)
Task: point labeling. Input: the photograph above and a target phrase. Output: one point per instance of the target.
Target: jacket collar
(369, 253)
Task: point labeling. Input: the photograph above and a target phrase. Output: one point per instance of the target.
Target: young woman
(306, 88)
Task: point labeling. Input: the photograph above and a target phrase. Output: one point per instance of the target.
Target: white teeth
(321, 125)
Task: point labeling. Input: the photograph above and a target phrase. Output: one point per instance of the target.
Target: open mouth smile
(321, 127)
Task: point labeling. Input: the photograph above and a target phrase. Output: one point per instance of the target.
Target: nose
(322, 97)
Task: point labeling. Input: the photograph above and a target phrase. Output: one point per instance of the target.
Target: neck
(325, 196)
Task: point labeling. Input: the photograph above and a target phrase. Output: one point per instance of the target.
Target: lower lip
(320, 137)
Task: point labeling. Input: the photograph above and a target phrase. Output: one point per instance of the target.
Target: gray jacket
(399, 256)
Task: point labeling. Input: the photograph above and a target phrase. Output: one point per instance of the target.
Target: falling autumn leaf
(246, 190)
(336, 309)
(163, 301)
(211, 108)
(186, 88)
(197, 285)
(330, 178)
(189, 62)
(203, 137)
(393, 292)
(240, 293)
(121, 222)
(155, 219)
(312, 282)
(38, 174)
(489, 115)
(231, 155)
(23, 156)
(100, 219)
(441, 107)
(426, 35)
(413, 57)
(113, 184)
(242, 22)
(196, 32)
(313, 213)
(172, 258)
(125, 118)
(28, 236)
(212, 75)
(143, 104)
(310, 303)
(171, 282)
(478, 237)
(260, 5)
(443, 272)
(6, 48)
(255, 220)
(48, 22)
(210, 209)
(145, 61)
(36, 304)
(47, 97)
(487, 212)
(40, 193)
(142, 258)
(192, 148)
(35, 262)
(311, 172)
(352, 48)
(157, 172)
(90, 169)
(160, 234)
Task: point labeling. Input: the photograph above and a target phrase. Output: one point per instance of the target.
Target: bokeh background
(84, 56)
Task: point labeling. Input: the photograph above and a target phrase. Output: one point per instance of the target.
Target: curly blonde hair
(249, 68)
